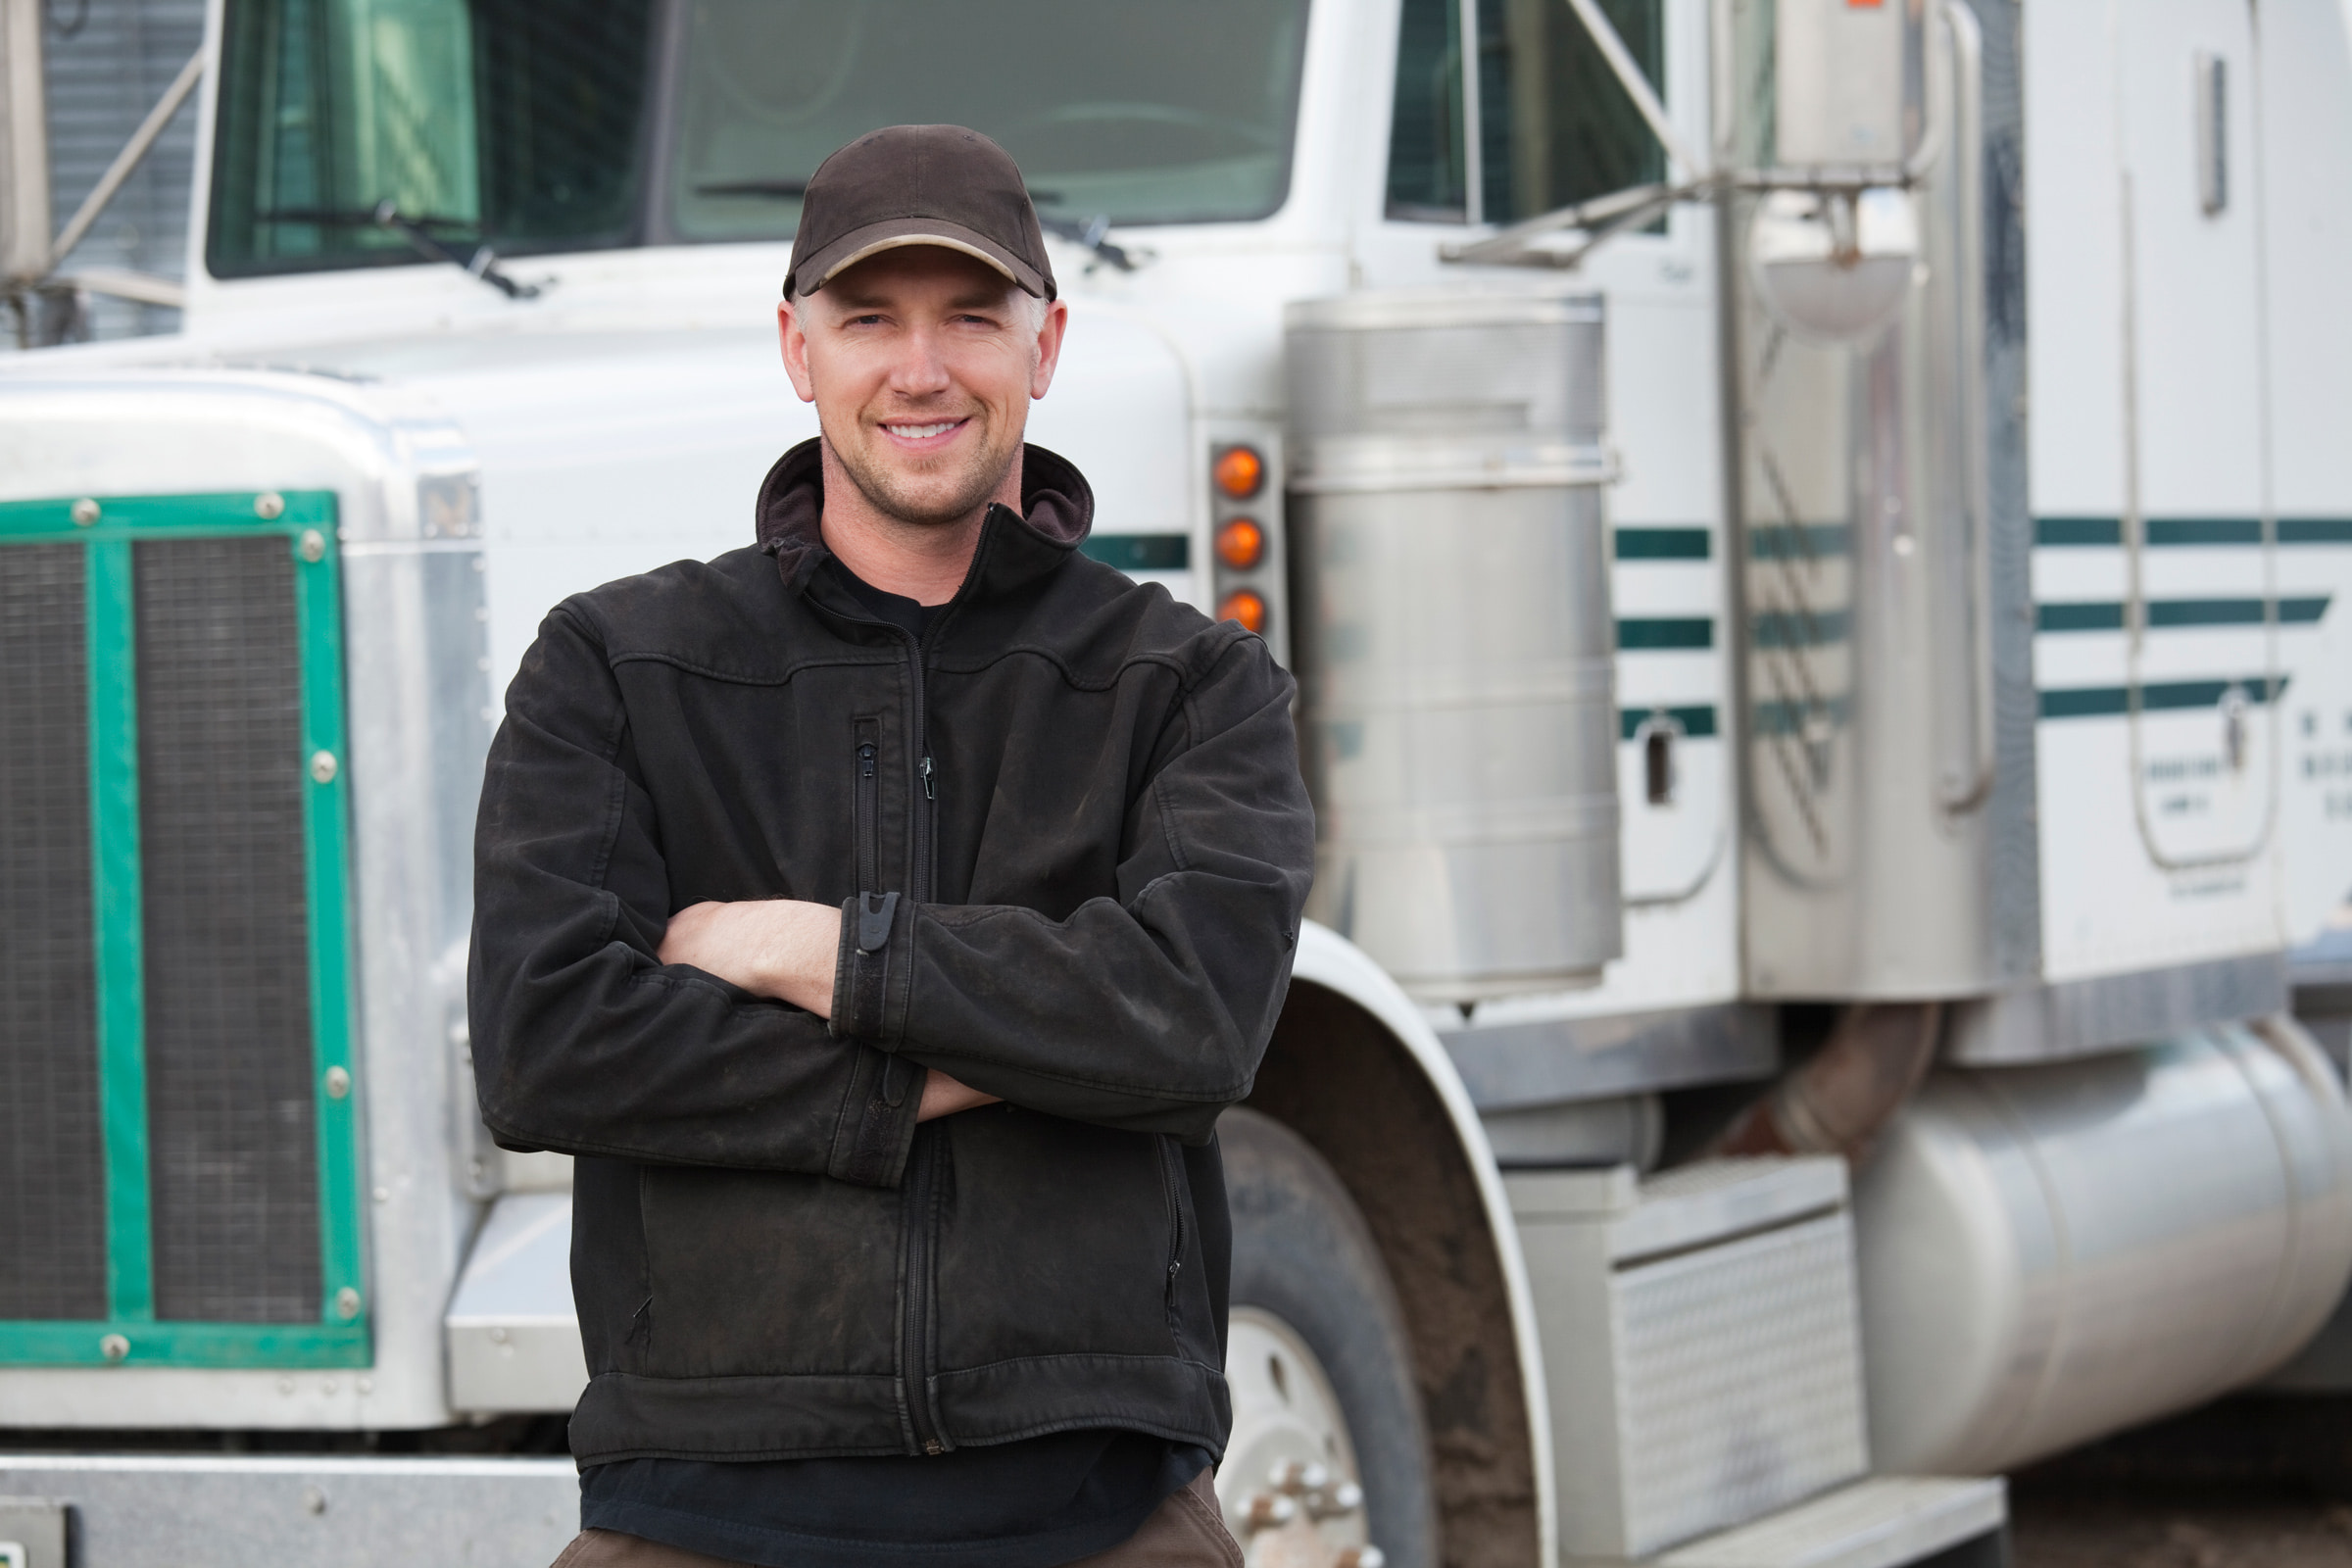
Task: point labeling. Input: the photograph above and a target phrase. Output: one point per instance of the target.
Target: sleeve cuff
(875, 1130)
(870, 973)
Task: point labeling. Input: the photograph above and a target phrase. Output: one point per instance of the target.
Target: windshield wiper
(482, 264)
(1090, 235)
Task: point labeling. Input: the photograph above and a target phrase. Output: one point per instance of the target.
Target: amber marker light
(1245, 606)
(1240, 544)
(1240, 470)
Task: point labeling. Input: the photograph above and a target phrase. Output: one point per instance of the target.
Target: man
(882, 916)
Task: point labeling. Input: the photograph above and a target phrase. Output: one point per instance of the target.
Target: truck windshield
(527, 125)
(1165, 113)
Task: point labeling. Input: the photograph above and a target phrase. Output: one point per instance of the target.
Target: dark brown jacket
(1068, 830)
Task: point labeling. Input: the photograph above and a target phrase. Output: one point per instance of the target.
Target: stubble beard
(888, 490)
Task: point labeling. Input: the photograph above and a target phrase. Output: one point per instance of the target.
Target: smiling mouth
(930, 430)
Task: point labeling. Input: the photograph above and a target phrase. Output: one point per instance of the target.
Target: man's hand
(787, 948)
(943, 1095)
(780, 948)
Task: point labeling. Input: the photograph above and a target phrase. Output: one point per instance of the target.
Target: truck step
(231, 1511)
(1883, 1522)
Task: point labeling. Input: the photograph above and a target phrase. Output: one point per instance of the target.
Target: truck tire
(1316, 1322)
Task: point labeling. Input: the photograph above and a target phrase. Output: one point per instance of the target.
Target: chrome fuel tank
(1455, 644)
(2050, 1253)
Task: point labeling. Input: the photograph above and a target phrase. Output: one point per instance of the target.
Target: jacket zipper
(1171, 1180)
(868, 734)
(922, 1227)
(914, 1326)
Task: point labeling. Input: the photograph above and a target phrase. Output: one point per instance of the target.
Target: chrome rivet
(364, 1385)
(114, 1347)
(269, 506)
(328, 1387)
(285, 1386)
(323, 766)
(347, 1302)
(313, 546)
(338, 1082)
(313, 1500)
(85, 513)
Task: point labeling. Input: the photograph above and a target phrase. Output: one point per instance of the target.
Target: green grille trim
(337, 1339)
(318, 626)
(165, 517)
(120, 958)
(264, 1346)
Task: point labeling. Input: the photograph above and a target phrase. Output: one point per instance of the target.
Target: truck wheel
(1327, 1432)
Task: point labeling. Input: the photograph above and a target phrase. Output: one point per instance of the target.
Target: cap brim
(900, 233)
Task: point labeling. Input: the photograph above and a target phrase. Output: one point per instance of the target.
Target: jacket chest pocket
(865, 826)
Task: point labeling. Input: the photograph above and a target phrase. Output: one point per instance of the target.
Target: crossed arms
(759, 1035)
(788, 948)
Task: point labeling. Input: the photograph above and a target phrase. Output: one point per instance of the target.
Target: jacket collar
(1016, 548)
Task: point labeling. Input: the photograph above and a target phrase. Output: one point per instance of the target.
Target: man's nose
(921, 368)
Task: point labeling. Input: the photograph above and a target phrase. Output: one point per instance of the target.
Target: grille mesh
(52, 1169)
(228, 1018)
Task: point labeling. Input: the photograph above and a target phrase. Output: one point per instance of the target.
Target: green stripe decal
(1139, 552)
(2108, 615)
(1698, 723)
(120, 936)
(2103, 702)
(1662, 544)
(1797, 717)
(1773, 629)
(2185, 532)
(1657, 633)
(1809, 541)
(2077, 533)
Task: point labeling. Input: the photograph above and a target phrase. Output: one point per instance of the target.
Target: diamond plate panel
(1738, 1380)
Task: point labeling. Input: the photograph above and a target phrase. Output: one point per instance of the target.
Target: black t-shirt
(1030, 1504)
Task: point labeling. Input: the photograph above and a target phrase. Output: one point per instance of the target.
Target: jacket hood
(1058, 508)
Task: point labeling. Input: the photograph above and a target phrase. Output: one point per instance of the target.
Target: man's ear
(1054, 322)
(793, 341)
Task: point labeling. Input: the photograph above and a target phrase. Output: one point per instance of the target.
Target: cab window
(1554, 127)
(515, 122)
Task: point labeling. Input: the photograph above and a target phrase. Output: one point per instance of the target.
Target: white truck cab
(1815, 545)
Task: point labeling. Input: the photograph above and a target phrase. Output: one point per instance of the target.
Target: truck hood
(607, 453)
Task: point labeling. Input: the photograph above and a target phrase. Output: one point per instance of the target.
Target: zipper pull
(866, 759)
(929, 791)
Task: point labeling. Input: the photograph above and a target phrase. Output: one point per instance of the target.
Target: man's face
(922, 362)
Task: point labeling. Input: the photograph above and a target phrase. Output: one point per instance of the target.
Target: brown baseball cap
(918, 185)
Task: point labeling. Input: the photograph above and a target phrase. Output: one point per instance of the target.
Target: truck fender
(1357, 1071)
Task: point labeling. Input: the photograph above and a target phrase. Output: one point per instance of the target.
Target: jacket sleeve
(1149, 1012)
(584, 1041)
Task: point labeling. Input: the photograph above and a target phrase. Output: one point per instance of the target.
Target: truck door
(2200, 634)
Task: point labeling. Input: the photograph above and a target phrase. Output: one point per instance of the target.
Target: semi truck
(1814, 538)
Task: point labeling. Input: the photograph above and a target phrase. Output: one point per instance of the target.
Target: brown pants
(1188, 1531)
